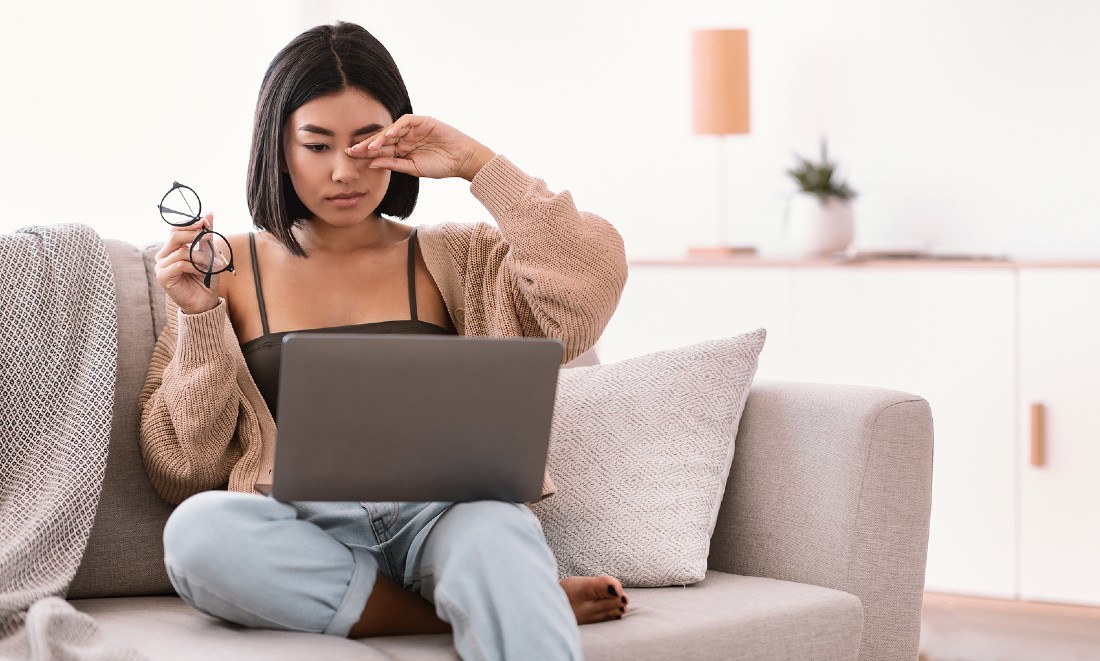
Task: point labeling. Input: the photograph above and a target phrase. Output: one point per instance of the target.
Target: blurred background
(964, 125)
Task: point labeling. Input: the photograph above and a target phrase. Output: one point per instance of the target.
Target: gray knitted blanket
(57, 370)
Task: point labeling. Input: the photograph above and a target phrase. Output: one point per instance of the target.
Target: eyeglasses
(210, 252)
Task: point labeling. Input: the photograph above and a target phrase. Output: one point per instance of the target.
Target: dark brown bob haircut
(321, 61)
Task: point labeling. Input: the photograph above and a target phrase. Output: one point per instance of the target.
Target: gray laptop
(367, 417)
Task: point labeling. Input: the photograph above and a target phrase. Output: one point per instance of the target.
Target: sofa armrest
(831, 486)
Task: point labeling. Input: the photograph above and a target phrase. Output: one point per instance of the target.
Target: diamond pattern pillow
(640, 451)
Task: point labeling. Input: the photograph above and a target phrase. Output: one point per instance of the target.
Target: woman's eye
(317, 148)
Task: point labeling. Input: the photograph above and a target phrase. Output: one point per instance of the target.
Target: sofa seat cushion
(722, 617)
(738, 618)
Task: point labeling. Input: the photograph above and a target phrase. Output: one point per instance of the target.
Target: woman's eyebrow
(313, 128)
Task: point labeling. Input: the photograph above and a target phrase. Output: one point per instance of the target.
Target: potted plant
(818, 218)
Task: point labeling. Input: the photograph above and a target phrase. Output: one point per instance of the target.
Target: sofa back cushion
(125, 553)
(640, 451)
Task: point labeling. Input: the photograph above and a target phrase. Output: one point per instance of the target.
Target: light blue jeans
(311, 566)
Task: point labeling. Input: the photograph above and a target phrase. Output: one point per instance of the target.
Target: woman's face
(336, 188)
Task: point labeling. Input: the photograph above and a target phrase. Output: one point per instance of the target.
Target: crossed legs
(483, 569)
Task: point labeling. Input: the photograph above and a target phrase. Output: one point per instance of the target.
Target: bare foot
(595, 598)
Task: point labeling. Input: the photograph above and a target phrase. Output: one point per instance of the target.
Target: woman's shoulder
(239, 242)
(242, 252)
(462, 245)
(242, 265)
(450, 250)
(457, 236)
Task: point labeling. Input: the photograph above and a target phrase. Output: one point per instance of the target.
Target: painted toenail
(611, 591)
(624, 600)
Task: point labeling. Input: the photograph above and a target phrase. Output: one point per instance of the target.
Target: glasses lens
(181, 206)
(211, 253)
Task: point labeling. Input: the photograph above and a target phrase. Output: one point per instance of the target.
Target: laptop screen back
(365, 417)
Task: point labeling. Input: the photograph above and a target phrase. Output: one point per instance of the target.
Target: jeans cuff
(355, 599)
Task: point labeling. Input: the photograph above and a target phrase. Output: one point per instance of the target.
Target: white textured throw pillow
(640, 451)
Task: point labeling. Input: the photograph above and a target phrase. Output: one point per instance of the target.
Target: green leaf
(820, 179)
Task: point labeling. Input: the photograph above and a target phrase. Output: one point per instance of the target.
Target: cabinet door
(665, 307)
(1060, 499)
(948, 335)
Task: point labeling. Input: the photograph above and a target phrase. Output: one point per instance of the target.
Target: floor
(969, 629)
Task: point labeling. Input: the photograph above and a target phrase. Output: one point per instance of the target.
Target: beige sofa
(818, 553)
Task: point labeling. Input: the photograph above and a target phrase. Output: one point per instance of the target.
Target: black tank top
(264, 354)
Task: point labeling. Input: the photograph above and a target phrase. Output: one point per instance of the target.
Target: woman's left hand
(424, 147)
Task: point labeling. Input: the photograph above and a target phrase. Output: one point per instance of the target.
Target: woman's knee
(493, 528)
(215, 523)
(494, 514)
(250, 560)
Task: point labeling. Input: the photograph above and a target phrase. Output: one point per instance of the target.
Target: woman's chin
(345, 217)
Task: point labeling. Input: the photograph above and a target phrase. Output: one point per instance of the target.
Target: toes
(615, 594)
(615, 588)
(612, 585)
(598, 611)
(609, 608)
(596, 598)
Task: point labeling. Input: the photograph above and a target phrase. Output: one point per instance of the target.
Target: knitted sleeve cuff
(202, 336)
(500, 185)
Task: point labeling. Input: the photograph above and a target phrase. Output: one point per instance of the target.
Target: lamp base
(721, 251)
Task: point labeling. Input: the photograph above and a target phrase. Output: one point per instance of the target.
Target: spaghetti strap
(256, 277)
(412, 275)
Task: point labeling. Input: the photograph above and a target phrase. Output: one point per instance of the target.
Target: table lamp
(720, 106)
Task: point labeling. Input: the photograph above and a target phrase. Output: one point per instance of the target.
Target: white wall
(105, 104)
(966, 124)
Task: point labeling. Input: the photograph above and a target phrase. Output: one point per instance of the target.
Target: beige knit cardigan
(545, 270)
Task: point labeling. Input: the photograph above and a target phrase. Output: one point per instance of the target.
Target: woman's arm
(550, 270)
(189, 405)
(560, 271)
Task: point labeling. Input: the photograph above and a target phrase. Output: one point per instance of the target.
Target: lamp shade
(720, 81)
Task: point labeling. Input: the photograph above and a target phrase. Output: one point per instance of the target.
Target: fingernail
(624, 600)
(611, 591)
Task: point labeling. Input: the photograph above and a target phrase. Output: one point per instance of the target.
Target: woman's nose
(346, 168)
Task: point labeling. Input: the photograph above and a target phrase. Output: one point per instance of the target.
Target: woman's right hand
(178, 277)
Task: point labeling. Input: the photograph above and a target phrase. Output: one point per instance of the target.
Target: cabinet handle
(1038, 441)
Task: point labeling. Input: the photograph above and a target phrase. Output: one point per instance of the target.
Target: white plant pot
(811, 227)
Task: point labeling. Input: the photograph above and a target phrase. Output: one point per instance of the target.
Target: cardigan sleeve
(546, 270)
(189, 406)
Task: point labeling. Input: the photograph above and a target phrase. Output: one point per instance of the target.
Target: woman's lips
(346, 201)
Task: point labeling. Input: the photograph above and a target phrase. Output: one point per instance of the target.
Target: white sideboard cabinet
(1059, 452)
(983, 342)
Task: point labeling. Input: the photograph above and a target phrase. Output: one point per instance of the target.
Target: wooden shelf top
(841, 261)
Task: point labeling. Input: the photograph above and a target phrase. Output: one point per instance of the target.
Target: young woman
(336, 155)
